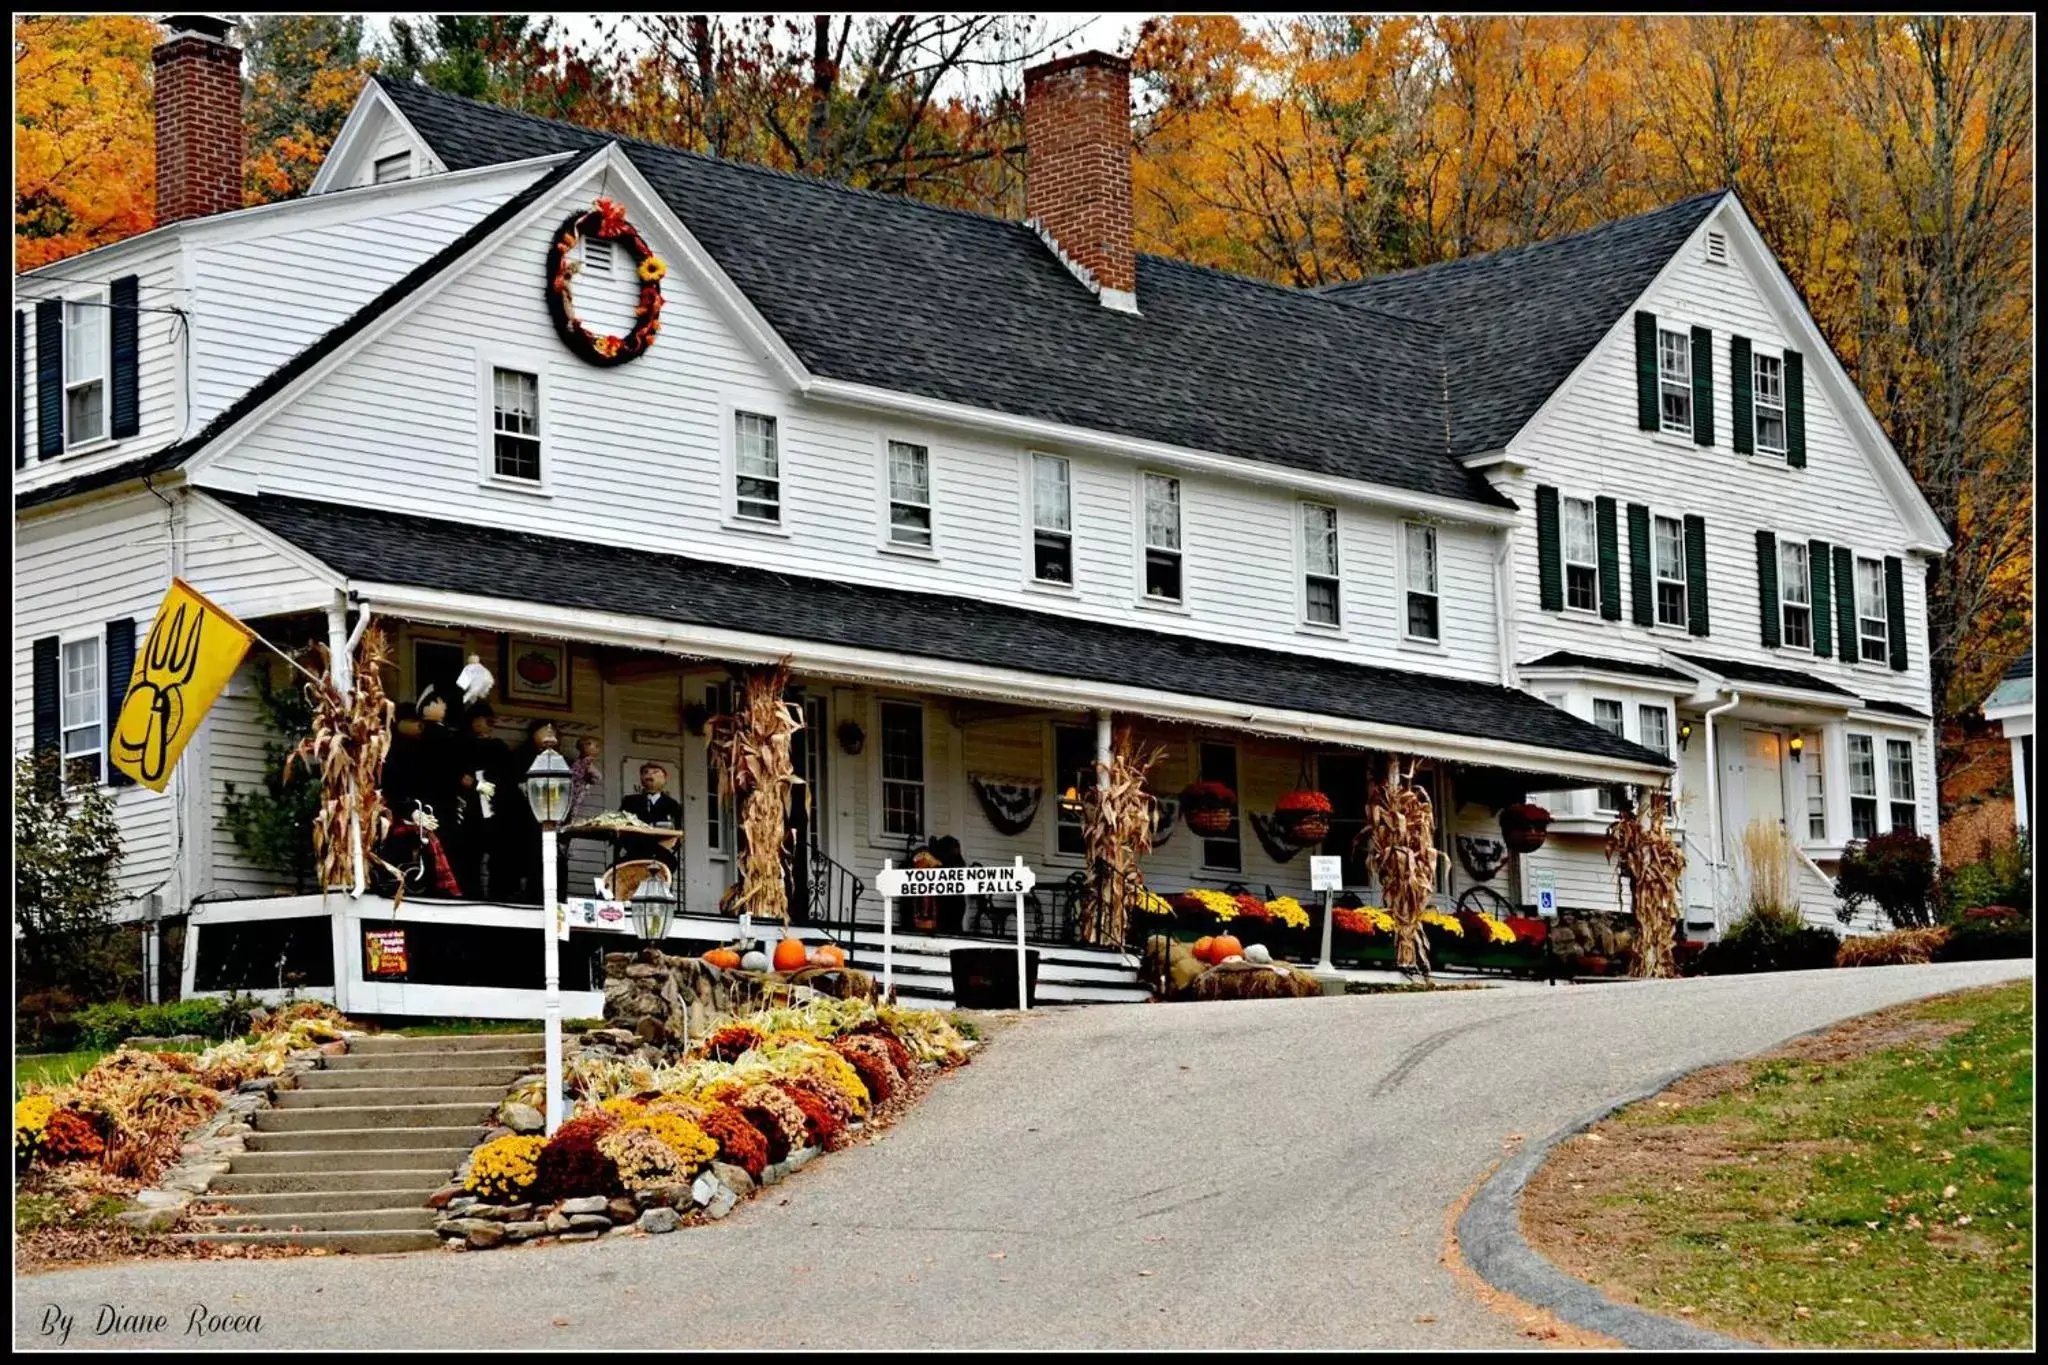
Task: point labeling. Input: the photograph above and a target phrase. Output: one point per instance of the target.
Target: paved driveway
(1256, 1174)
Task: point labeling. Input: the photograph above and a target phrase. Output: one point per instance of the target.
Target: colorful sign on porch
(586, 912)
(193, 649)
(955, 881)
(384, 952)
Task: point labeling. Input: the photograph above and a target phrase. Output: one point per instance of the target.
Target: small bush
(44, 1021)
(2002, 875)
(739, 1142)
(1985, 932)
(1768, 941)
(1904, 946)
(1896, 872)
(106, 1025)
(571, 1166)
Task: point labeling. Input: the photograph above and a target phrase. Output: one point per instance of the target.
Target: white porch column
(1105, 742)
(2021, 796)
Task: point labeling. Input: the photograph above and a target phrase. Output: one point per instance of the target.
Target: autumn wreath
(607, 222)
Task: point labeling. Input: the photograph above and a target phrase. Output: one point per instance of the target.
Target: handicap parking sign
(1546, 895)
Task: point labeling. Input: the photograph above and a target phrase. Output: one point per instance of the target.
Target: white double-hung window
(1667, 554)
(1795, 595)
(910, 495)
(1899, 777)
(757, 468)
(85, 369)
(1162, 538)
(515, 424)
(1322, 599)
(1873, 631)
(1052, 520)
(1581, 556)
(1419, 573)
(1767, 402)
(83, 701)
(1862, 787)
(903, 769)
(1674, 381)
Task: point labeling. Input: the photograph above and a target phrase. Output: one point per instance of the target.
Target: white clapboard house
(1600, 511)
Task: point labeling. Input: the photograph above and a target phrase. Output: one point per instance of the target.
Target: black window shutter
(1817, 572)
(1702, 387)
(1696, 574)
(1895, 609)
(49, 379)
(1795, 410)
(125, 295)
(1646, 371)
(1644, 604)
(48, 697)
(1845, 604)
(20, 388)
(1610, 559)
(1549, 549)
(1767, 585)
(120, 665)
(1742, 415)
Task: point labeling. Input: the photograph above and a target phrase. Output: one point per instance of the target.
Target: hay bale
(1252, 981)
(1904, 947)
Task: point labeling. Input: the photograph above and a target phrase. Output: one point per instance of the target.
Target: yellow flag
(193, 649)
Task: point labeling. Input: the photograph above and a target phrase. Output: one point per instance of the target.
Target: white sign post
(894, 881)
(1546, 894)
(1327, 876)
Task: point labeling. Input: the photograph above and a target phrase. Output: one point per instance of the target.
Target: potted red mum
(1523, 827)
(1304, 816)
(1209, 807)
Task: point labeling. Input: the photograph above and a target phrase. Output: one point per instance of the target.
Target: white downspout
(1503, 598)
(1714, 792)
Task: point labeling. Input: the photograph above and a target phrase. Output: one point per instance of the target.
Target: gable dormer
(377, 146)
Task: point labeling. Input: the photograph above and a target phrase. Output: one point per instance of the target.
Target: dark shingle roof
(884, 291)
(388, 547)
(1516, 323)
(1564, 658)
(172, 456)
(1763, 675)
(2022, 667)
(1892, 708)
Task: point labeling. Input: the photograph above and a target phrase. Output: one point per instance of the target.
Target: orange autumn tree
(302, 74)
(84, 164)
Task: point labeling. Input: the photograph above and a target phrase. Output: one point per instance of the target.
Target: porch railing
(827, 896)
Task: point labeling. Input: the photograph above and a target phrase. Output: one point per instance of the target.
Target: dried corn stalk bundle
(350, 736)
(1402, 829)
(755, 768)
(1117, 819)
(1640, 844)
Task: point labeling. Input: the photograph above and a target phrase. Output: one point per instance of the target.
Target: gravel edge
(1490, 1235)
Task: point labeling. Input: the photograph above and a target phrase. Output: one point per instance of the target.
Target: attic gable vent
(1717, 248)
(597, 257)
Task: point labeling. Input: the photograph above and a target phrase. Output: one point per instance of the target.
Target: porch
(960, 729)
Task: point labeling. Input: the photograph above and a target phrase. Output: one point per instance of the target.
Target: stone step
(445, 1042)
(381, 1096)
(366, 1139)
(350, 1220)
(379, 1116)
(325, 1180)
(525, 1059)
(501, 1076)
(439, 1160)
(361, 1243)
(409, 1194)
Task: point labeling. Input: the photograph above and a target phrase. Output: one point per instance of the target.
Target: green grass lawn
(62, 1068)
(1881, 1198)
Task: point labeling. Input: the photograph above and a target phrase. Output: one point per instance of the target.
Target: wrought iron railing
(825, 895)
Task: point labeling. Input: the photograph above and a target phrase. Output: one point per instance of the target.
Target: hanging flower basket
(1209, 807)
(1304, 816)
(1524, 827)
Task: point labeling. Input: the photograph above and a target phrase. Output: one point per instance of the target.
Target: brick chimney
(1077, 167)
(198, 119)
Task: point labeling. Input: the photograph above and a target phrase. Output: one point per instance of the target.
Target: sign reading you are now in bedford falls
(955, 881)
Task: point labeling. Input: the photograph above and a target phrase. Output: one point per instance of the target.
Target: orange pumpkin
(791, 955)
(723, 957)
(1202, 946)
(1225, 946)
(830, 955)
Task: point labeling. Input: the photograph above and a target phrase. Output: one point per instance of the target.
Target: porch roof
(372, 547)
(1763, 675)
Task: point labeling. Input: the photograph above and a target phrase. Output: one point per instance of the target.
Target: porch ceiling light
(547, 787)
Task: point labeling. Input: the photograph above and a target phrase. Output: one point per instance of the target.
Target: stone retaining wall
(1584, 933)
(669, 1001)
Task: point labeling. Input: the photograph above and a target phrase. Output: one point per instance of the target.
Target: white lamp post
(547, 791)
